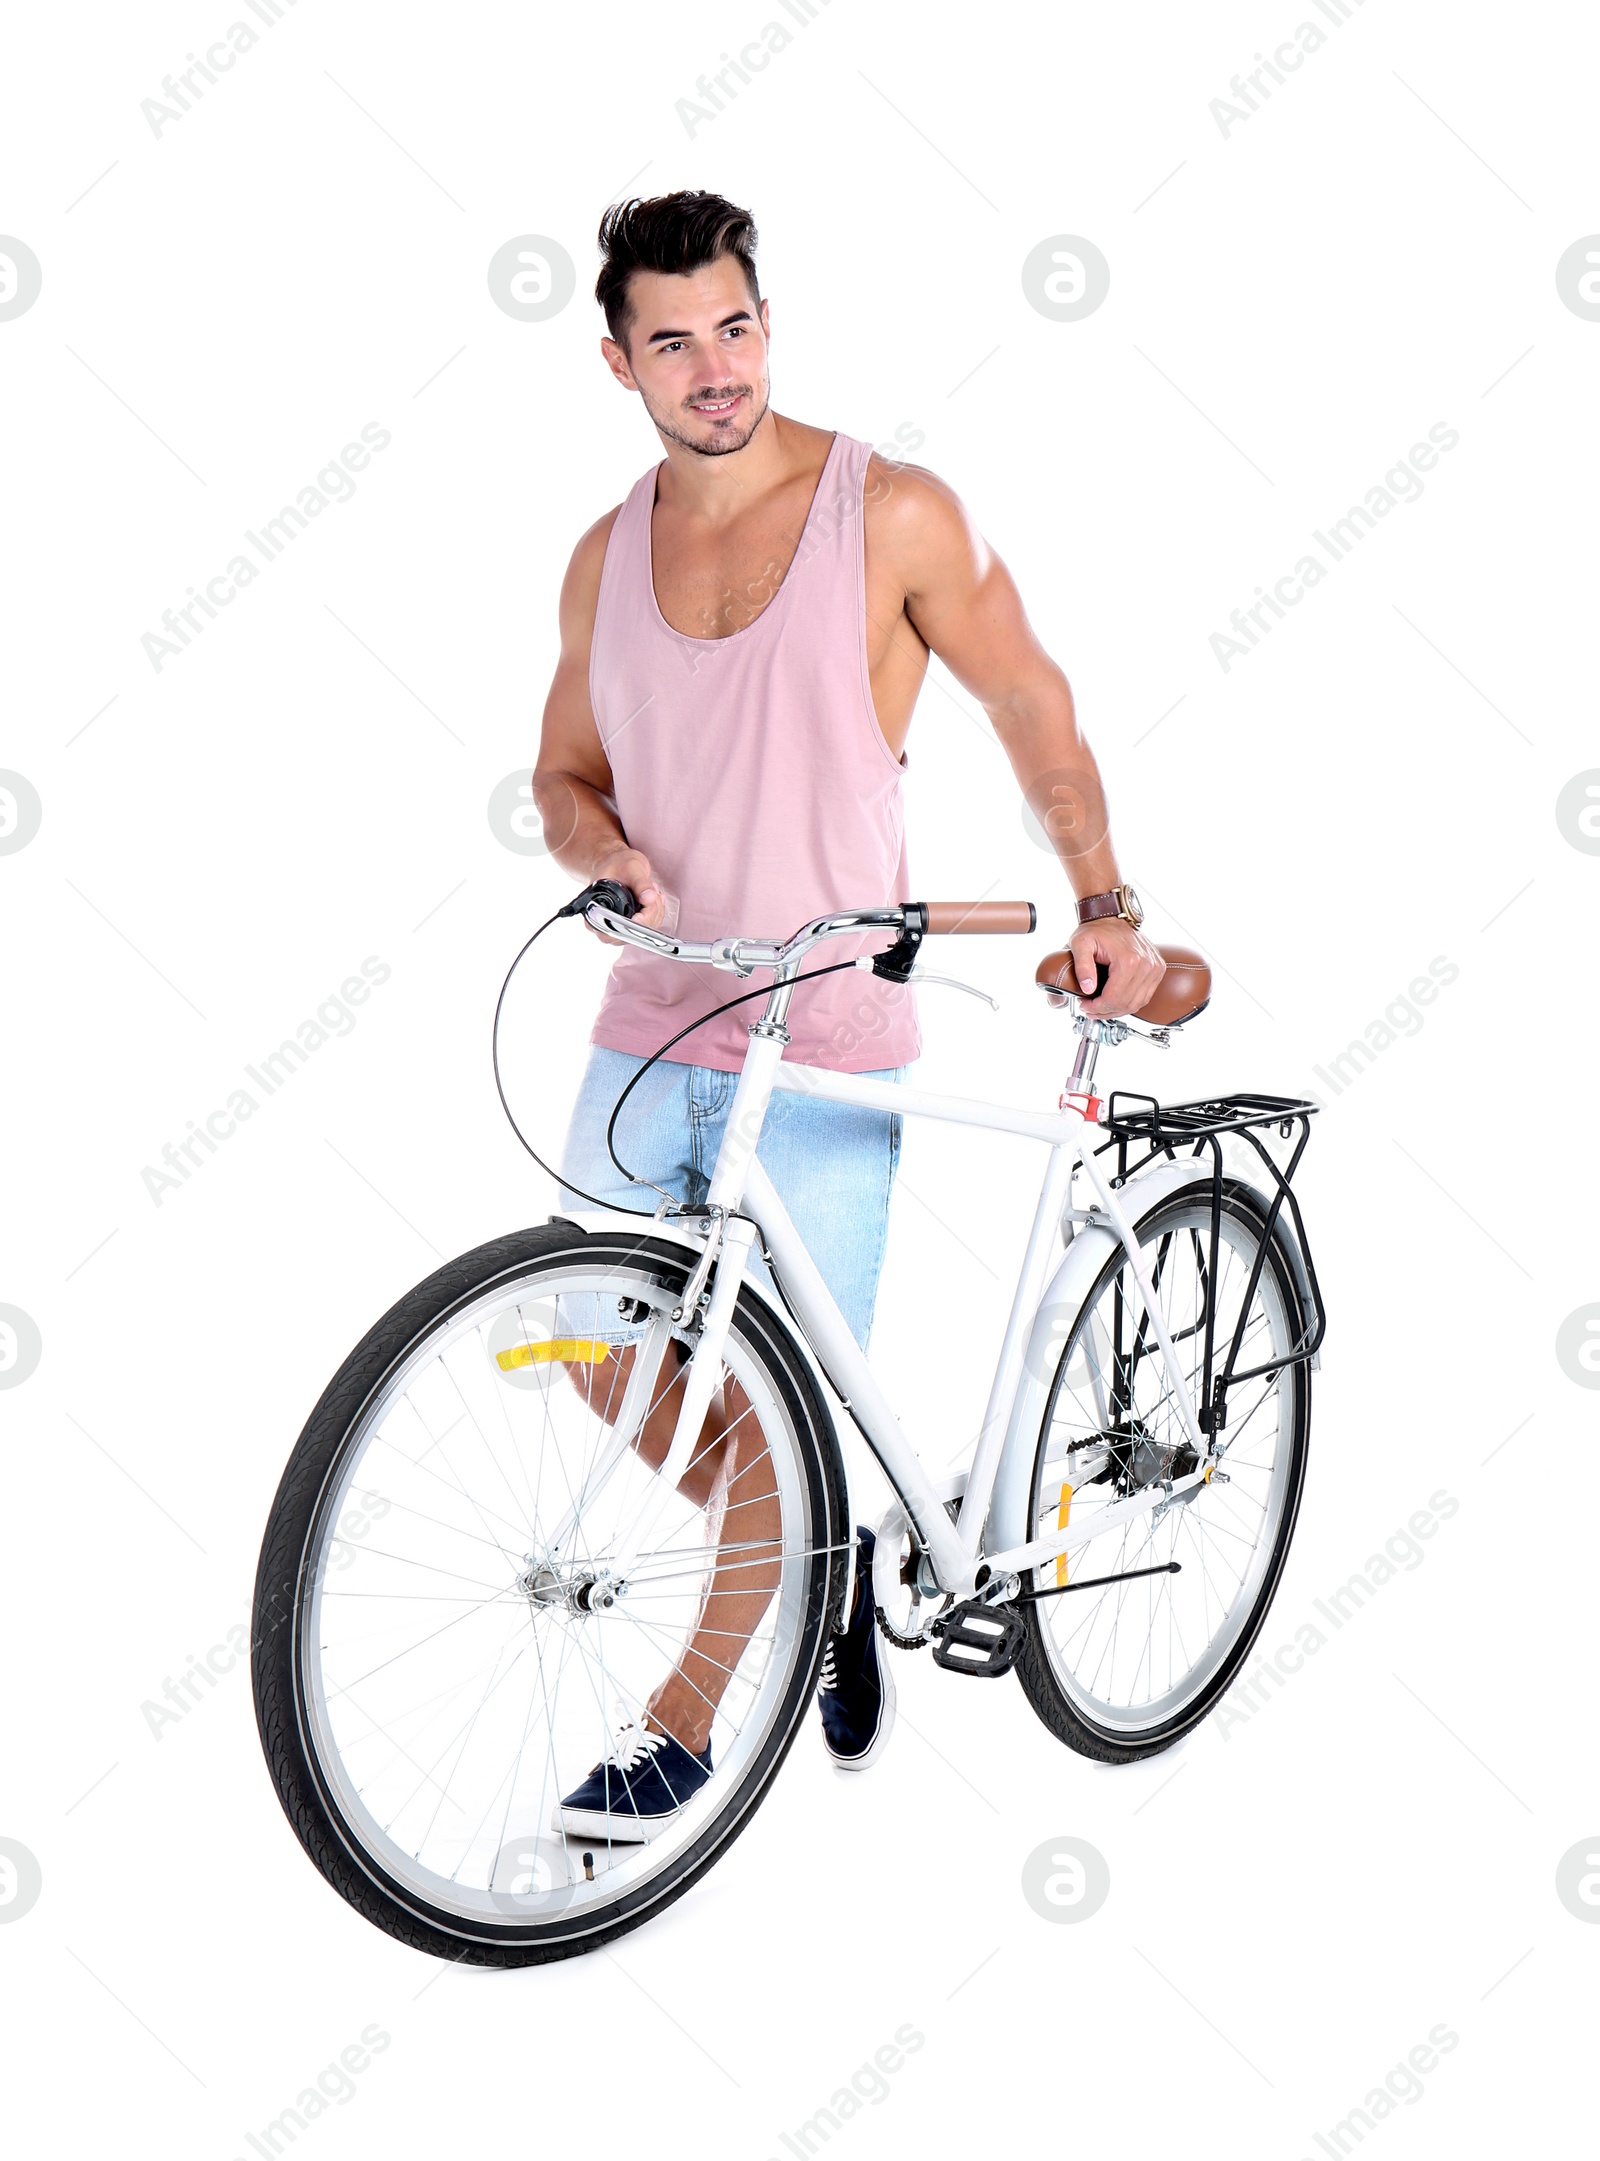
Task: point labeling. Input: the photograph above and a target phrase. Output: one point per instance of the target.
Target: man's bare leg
(731, 1466)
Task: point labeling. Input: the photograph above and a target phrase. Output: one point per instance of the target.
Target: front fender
(669, 1228)
(1007, 1523)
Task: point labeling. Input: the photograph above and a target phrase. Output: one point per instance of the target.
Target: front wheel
(468, 1580)
(1123, 1672)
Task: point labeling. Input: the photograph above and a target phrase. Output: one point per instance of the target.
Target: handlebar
(608, 906)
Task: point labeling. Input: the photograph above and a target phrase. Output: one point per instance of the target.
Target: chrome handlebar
(742, 956)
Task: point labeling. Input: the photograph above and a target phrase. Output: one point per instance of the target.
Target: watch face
(1133, 904)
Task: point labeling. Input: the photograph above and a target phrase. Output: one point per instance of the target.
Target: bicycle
(469, 1556)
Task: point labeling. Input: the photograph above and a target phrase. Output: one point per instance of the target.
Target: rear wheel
(1123, 1672)
(443, 1646)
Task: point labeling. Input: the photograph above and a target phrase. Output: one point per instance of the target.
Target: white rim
(447, 1711)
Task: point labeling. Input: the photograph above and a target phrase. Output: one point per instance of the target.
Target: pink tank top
(751, 770)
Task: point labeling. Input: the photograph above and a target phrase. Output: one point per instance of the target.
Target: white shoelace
(632, 1745)
(830, 1673)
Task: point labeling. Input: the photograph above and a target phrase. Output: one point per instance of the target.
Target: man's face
(697, 355)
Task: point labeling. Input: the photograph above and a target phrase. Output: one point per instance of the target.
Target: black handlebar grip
(618, 898)
(608, 893)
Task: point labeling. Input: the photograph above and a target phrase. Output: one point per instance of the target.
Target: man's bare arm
(963, 603)
(572, 782)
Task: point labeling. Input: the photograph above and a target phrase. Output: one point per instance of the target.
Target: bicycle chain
(901, 1643)
(911, 1643)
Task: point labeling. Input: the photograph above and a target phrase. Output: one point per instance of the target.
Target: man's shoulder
(912, 513)
(588, 557)
(580, 588)
(592, 543)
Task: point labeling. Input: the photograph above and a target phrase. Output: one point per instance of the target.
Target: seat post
(1091, 1035)
(1080, 1082)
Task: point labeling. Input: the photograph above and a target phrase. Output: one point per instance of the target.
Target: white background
(1295, 1901)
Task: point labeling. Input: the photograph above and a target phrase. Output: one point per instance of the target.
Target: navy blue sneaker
(856, 1692)
(635, 1791)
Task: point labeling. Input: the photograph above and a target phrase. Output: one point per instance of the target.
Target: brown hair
(671, 234)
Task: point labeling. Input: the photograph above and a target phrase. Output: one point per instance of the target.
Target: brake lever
(925, 975)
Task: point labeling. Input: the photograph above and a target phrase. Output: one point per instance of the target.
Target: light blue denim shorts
(832, 1163)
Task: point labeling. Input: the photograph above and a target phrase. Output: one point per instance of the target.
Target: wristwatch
(1121, 901)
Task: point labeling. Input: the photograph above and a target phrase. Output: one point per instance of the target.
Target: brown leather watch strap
(1099, 906)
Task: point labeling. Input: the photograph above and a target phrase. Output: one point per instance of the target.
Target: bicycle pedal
(978, 1639)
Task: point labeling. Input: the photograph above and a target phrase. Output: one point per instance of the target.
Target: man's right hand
(629, 867)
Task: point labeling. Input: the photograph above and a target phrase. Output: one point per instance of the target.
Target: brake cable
(620, 902)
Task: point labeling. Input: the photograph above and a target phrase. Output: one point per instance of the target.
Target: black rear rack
(1189, 1121)
(1132, 1121)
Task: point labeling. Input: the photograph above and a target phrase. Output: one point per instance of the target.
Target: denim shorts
(833, 1164)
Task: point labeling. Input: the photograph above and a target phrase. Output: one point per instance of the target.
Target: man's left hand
(1136, 967)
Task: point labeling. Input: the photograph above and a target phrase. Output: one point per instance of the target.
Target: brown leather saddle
(1183, 991)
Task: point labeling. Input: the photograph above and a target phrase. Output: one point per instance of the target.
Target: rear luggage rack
(1170, 1122)
(1131, 1120)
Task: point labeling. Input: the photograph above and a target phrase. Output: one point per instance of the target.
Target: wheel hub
(1137, 1459)
(578, 1588)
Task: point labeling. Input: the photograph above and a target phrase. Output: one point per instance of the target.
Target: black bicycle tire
(304, 1794)
(1033, 1666)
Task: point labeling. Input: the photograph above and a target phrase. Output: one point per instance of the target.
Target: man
(742, 644)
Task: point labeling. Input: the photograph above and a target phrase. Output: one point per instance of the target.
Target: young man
(742, 644)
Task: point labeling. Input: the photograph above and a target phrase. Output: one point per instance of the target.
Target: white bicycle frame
(988, 1540)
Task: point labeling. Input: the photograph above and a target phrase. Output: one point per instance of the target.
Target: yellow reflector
(1062, 1513)
(576, 1350)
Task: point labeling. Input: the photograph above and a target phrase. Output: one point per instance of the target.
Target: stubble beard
(726, 441)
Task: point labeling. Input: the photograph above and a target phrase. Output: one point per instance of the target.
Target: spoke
(344, 1696)
(505, 1552)
(444, 1367)
(655, 1629)
(444, 1457)
(468, 1727)
(1110, 1649)
(550, 1763)
(415, 1463)
(422, 1640)
(505, 1412)
(516, 1772)
(406, 1560)
(414, 1598)
(510, 1773)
